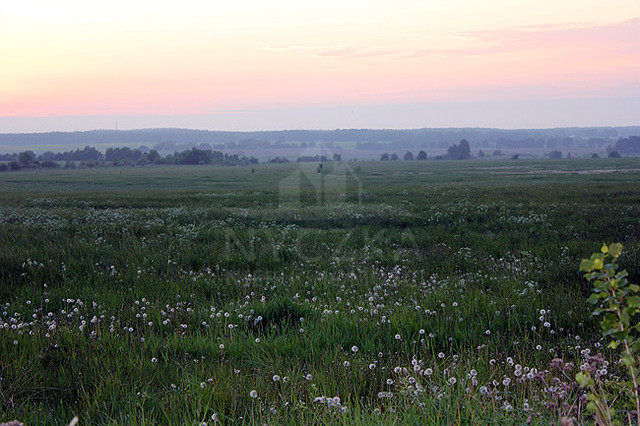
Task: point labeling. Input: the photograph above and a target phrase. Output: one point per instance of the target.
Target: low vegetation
(415, 293)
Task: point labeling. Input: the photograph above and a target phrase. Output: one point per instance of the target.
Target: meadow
(437, 292)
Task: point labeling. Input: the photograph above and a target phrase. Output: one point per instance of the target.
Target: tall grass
(416, 304)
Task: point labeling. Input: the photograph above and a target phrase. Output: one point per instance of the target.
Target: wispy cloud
(622, 37)
(359, 52)
(618, 38)
(301, 48)
(338, 51)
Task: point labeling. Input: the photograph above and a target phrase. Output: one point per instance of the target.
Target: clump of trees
(555, 154)
(277, 160)
(124, 155)
(630, 145)
(459, 151)
(408, 156)
(87, 153)
(389, 157)
(197, 156)
(23, 160)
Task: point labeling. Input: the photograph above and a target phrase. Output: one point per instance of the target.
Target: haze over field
(249, 65)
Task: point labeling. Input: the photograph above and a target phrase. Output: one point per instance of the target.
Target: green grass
(166, 295)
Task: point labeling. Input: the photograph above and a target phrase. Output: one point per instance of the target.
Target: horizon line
(323, 129)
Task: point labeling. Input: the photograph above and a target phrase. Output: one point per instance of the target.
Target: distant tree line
(630, 145)
(627, 146)
(318, 157)
(408, 156)
(203, 154)
(200, 156)
(277, 160)
(91, 157)
(459, 151)
(462, 151)
(172, 140)
(86, 154)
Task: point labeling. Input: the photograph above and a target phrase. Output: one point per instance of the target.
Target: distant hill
(178, 139)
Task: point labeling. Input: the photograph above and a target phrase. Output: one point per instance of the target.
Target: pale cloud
(622, 37)
(359, 53)
(300, 48)
(607, 41)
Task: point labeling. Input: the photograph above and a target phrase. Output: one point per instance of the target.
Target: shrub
(617, 307)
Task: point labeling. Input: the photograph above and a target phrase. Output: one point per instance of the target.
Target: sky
(255, 64)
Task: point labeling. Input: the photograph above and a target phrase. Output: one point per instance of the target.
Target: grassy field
(369, 293)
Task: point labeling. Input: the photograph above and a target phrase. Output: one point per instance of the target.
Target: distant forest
(125, 156)
(171, 140)
(203, 153)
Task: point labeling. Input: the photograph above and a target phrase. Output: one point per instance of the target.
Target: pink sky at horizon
(72, 58)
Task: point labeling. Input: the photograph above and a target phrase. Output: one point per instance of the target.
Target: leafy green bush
(617, 306)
